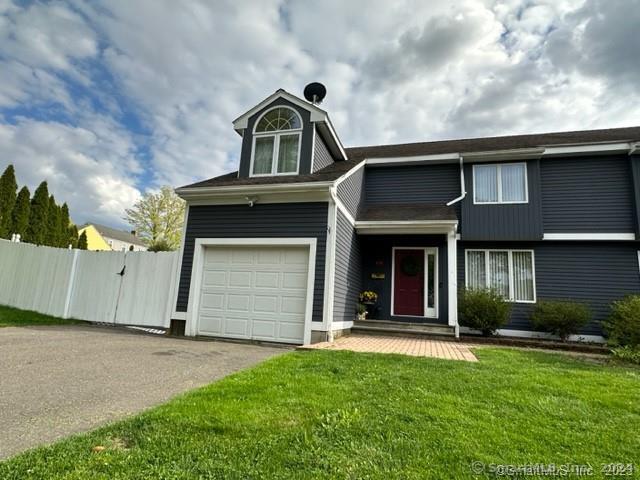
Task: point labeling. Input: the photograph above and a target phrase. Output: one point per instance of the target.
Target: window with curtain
(500, 183)
(509, 272)
(276, 143)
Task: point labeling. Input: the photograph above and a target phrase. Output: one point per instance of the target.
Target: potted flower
(368, 297)
(362, 311)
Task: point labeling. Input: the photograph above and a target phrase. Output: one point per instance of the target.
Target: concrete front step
(403, 328)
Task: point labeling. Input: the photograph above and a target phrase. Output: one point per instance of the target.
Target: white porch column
(452, 269)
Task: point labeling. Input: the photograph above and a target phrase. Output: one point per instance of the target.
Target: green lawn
(12, 317)
(320, 414)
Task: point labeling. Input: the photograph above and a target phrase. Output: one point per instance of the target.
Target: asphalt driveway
(60, 380)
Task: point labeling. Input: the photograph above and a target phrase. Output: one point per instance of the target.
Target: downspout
(463, 191)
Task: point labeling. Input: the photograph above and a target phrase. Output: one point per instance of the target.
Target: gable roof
(487, 144)
(317, 115)
(398, 151)
(115, 234)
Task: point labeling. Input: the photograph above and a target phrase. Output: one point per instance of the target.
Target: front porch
(408, 258)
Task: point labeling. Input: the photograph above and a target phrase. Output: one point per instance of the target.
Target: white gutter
(632, 148)
(463, 190)
(218, 191)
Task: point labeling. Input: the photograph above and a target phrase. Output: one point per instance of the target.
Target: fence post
(72, 279)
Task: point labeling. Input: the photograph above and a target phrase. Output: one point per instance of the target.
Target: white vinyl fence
(127, 288)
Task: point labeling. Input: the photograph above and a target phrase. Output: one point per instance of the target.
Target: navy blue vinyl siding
(260, 221)
(348, 271)
(351, 192)
(321, 155)
(377, 258)
(522, 221)
(595, 273)
(429, 184)
(588, 195)
(635, 170)
(305, 148)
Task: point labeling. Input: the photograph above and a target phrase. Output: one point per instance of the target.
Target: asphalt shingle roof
(465, 145)
(406, 212)
(121, 235)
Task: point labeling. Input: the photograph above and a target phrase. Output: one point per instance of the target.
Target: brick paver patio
(415, 346)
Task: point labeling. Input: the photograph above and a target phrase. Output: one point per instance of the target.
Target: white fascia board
(443, 157)
(589, 236)
(350, 172)
(587, 148)
(317, 114)
(512, 154)
(406, 227)
(338, 149)
(199, 192)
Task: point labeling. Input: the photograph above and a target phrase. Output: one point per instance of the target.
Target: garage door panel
(294, 280)
(269, 257)
(214, 278)
(254, 292)
(236, 326)
(265, 304)
(295, 305)
(238, 303)
(290, 331)
(240, 279)
(240, 256)
(267, 279)
(212, 300)
(264, 328)
(210, 324)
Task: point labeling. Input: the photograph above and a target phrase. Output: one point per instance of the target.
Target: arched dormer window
(276, 143)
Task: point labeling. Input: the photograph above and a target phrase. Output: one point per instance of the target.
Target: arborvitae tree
(8, 187)
(53, 218)
(63, 226)
(72, 236)
(82, 241)
(37, 230)
(20, 215)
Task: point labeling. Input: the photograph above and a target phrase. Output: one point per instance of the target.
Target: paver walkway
(415, 346)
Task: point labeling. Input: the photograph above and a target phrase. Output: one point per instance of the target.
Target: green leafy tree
(158, 216)
(39, 212)
(8, 188)
(82, 241)
(20, 214)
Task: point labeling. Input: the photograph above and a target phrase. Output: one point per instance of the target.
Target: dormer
(286, 135)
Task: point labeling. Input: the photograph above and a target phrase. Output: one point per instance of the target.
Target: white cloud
(395, 72)
(85, 168)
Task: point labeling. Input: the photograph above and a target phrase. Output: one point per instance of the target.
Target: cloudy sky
(109, 100)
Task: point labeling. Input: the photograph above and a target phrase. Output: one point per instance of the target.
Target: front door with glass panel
(415, 282)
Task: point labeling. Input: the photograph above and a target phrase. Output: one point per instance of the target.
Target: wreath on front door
(411, 266)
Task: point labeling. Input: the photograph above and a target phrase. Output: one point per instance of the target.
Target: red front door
(408, 283)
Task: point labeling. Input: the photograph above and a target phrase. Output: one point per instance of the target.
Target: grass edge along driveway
(14, 317)
(318, 414)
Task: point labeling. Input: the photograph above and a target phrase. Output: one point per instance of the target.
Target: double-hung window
(500, 183)
(276, 143)
(509, 272)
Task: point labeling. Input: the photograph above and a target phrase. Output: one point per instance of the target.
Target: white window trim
(436, 291)
(499, 174)
(511, 283)
(276, 134)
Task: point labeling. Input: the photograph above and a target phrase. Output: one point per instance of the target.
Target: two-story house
(280, 250)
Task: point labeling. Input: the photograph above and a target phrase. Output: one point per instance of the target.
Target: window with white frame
(500, 183)
(510, 272)
(276, 143)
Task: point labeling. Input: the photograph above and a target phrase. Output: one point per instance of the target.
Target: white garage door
(254, 293)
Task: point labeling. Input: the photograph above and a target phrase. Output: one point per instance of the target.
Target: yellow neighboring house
(101, 237)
